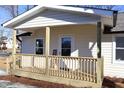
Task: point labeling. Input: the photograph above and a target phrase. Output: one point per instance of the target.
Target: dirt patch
(113, 82)
(32, 82)
(108, 82)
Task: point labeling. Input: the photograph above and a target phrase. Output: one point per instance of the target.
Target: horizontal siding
(52, 17)
(111, 68)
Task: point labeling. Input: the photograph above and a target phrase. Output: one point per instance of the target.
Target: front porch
(75, 71)
(71, 70)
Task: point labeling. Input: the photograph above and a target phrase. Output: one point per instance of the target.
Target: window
(119, 48)
(39, 46)
(66, 46)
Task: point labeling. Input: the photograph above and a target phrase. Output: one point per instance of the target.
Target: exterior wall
(112, 67)
(28, 42)
(84, 37)
(54, 17)
(84, 44)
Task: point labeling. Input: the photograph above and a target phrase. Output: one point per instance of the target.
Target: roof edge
(34, 10)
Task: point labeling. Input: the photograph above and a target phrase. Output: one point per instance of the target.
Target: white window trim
(36, 47)
(114, 48)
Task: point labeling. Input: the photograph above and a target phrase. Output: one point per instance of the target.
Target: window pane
(66, 42)
(39, 51)
(66, 52)
(119, 54)
(39, 43)
(120, 42)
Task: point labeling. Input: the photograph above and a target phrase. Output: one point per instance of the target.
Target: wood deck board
(62, 73)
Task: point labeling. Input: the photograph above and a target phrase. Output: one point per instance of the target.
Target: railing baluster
(90, 70)
(52, 65)
(81, 77)
(59, 65)
(87, 70)
(64, 66)
(69, 68)
(94, 71)
(84, 69)
(78, 77)
(75, 74)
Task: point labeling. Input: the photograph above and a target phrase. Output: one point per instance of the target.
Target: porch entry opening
(66, 46)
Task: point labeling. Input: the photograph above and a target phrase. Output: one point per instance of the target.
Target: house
(65, 44)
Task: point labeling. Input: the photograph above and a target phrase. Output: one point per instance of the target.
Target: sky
(5, 16)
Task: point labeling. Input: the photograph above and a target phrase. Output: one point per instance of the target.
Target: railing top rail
(73, 57)
(30, 55)
(58, 56)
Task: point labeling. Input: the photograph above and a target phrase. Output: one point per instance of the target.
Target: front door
(66, 46)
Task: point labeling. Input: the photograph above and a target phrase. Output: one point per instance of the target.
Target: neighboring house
(73, 32)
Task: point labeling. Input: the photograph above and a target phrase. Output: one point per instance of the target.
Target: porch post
(99, 31)
(14, 49)
(47, 48)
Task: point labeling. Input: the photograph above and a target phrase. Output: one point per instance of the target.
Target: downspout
(115, 13)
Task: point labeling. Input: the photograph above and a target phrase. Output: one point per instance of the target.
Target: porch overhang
(107, 15)
(30, 28)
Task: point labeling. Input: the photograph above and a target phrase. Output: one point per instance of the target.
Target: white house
(69, 31)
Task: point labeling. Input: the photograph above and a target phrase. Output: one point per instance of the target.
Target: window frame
(72, 43)
(39, 47)
(114, 49)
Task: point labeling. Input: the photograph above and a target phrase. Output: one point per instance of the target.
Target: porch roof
(38, 9)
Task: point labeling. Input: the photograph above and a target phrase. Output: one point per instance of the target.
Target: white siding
(28, 45)
(28, 42)
(52, 18)
(112, 68)
(84, 37)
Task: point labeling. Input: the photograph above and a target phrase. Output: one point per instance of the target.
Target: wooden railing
(76, 68)
(31, 63)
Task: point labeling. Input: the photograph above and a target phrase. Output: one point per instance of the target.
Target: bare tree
(12, 9)
(29, 7)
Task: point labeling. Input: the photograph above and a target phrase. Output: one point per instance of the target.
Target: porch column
(99, 31)
(47, 48)
(14, 49)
